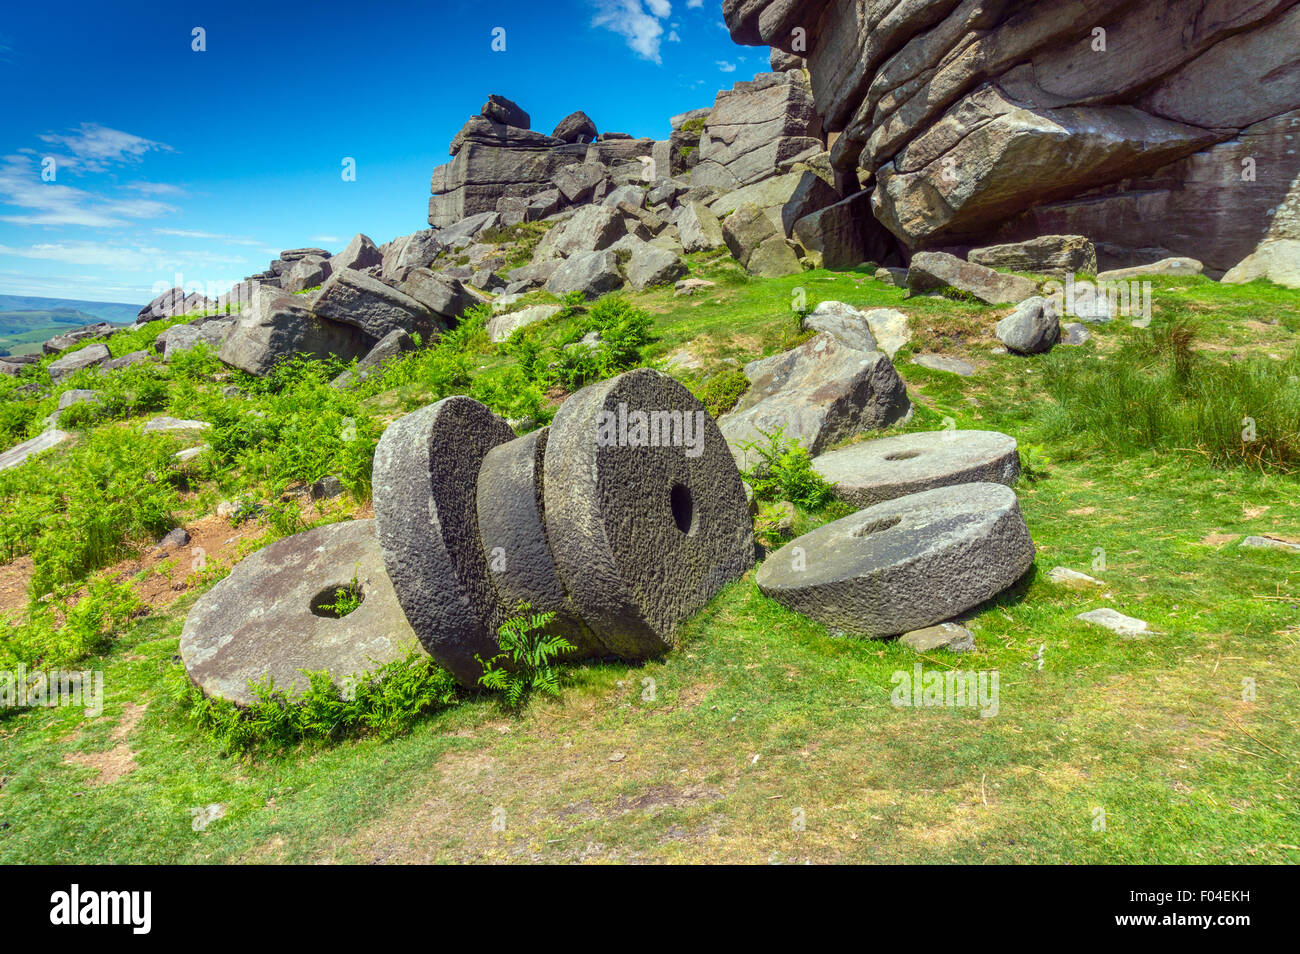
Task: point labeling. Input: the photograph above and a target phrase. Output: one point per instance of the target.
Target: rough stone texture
(390, 346)
(425, 476)
(307, 272)
(643, 536)
(699, 228)
(50, 437)
(133, 357)
(1032, 328)
(501, 327)
(1128, 627)
(592, 273)
(820, 393)
(949, 636)
(166, 423)
(355, 298)
(1134, 147)
(579, 182)
(936, 271)
(575, 127)
(180, 338)
(1074, 334)
(361, 252)
(1048, 254)
(91, 356)
(904, 564)
(174, 302)
(1278, 260)
(754, 127)
(416, 250)
(843, 234)
(276, 326)
(593, 228)
(874, 471)
(66, 340)
(890, 329)
(502, 110)
(843, 322)
(1166, 266)
(1072, 579)
(1270, 543)
(514, 540)
(258, 621)
(757, 244)
(444, 296)
(940, 362)
(653, 266)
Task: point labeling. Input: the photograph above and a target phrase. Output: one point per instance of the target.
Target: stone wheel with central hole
(514, 539)
(425, 477)
(267, 617)
(904, 564)
(879, 470)
(642, 535)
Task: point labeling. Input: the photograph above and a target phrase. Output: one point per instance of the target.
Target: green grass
(760, 717)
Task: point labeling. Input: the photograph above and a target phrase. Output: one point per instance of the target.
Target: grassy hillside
(761, 737)
(26, 321)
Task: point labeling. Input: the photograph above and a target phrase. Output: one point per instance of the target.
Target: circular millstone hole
(683, 508)
(875, 471)
(335, 602)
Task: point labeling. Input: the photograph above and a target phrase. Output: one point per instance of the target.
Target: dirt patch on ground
(112, 764)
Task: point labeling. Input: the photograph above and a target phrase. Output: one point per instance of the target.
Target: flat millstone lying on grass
(424, 488)
(904, 564)
(259, 621)
(642, 535)
(880, 470)
(1127, 626)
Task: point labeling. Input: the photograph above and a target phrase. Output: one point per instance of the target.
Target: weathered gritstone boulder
(355, 298)
(1278, 260)
(593, 228)
(699, 228)
(819, 393)
(843, 234)
(757, 244)
(581, 181)
(360, 253)
(19, 453)
(178, 338)
(425, 477)
(875, 471)
(575, 127)
(501, 327)
(445, 297)
(91, 356)
(63, 342)
(307, 272)
(653, 266)
(1166, 266)
(904, 564)
(174, 302)
(643, 507)
(514, 539)
(275, 327)
(1045, 132)
(937, 271)
(592, 273)
(1048, 254)
(265, 618)
(402, 254)
(843, 322)
(1032, 328)
(389, 347)
(502, 110)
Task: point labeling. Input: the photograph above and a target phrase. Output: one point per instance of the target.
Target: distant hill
(26, 320)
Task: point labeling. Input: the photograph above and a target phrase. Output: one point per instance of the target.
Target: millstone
(260, 620)
(514, 539)
(904, 564)
(425, 476)
(875, 471)
(642, 535)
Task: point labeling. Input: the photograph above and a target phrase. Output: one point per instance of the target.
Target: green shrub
(784, 472)
(527, 658)
(65, 629)
(720, 392)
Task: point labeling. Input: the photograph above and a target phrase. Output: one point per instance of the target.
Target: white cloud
(212, 237)
(137, 258)
(673, 37)
(93, 148)
(726, 67)
(694, 4)
(629, 19)
(51, 203)
(327, 239)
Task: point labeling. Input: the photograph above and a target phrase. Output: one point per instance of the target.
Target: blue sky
(168, 161)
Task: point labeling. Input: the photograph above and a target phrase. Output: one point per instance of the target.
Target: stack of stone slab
(623, 517)
(941, 532)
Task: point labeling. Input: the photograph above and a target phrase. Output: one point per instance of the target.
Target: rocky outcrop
(1154, 128)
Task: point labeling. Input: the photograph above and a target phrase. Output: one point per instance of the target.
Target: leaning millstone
(1072, 579)
(265, 619)
(950, 636)
(1270, 543)
(644, 509)
(1115, 621)
(514, 539)
(940, 362)
(904, 564)
(1032, 328)
(424, 478)
(875, 471)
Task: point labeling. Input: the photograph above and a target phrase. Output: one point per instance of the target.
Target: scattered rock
(276, 326)
(1075, 334)
(91, 356)
(1278, 260)
(327, 488)
(1032, 328)
(376, 309)
(501, 327)
(1072, 579)
(653, 266)
(843, 322)
(592, 273)
(904, 564)
(939, 362)
(389, 347)
(1270, 543)
(19, 453)
(361, 253)
(176, 537)
(939, 271)
(950, 636)
(1047, 254)
(166, 423)
(699, 228)
(1166, 266)
(875, 471)
(1116, 622)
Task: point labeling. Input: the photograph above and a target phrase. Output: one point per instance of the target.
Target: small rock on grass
(939, 362)
(1116, 622)
(1073, 579)
(950, 636)
(1269, 543)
